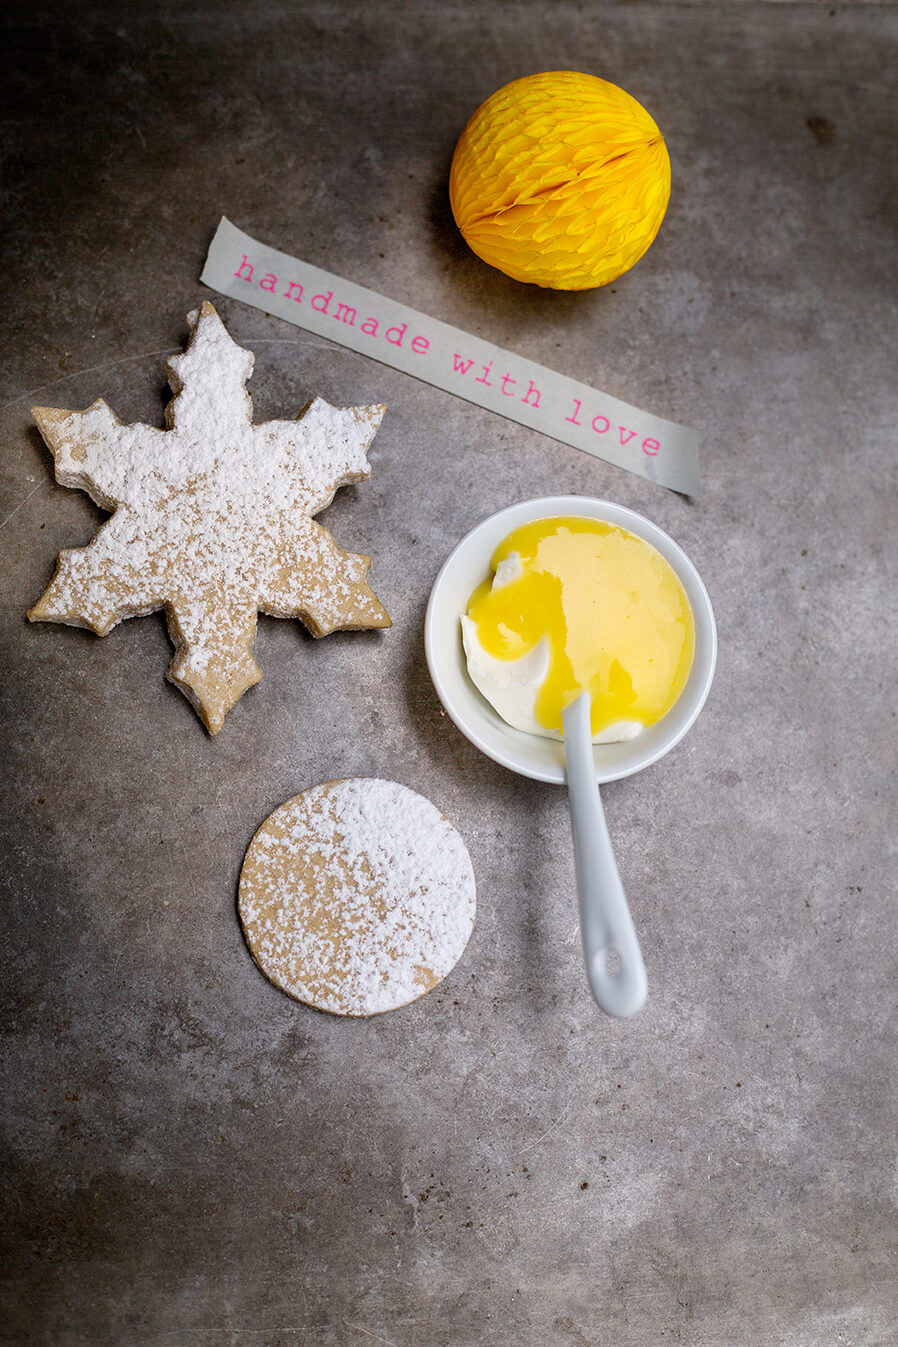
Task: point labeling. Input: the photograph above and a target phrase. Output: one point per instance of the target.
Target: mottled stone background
(194, 1159)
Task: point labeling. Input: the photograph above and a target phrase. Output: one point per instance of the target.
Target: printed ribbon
(447, 358)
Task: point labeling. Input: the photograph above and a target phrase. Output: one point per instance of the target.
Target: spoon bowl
(605, 922)
(529, 754)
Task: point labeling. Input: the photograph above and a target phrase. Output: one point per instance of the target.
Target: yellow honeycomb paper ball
(561, 179)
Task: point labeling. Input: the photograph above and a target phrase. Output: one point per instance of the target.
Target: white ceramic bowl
(529, 754)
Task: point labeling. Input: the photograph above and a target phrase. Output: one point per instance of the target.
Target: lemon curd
(616, 618)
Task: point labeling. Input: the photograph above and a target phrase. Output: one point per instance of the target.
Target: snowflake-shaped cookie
(212, 519)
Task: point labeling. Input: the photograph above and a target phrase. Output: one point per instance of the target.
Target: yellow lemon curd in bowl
(561, 179)
(616, 617)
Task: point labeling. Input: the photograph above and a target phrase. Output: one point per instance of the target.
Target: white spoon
(605, 923)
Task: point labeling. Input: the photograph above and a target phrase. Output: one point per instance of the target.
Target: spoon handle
(605, 921)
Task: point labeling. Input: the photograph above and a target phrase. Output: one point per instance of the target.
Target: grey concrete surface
(191, 1158)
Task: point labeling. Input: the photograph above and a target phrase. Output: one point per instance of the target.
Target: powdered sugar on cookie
(212, 519)
(357, 896)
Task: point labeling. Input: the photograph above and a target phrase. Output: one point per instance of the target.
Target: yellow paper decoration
(561, 179)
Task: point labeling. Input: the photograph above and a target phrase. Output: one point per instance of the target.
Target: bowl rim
(527, 754)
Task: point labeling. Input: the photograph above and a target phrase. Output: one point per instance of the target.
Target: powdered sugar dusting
(212, 518)
(357, 896)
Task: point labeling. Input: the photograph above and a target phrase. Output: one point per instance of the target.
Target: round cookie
(357, 896)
